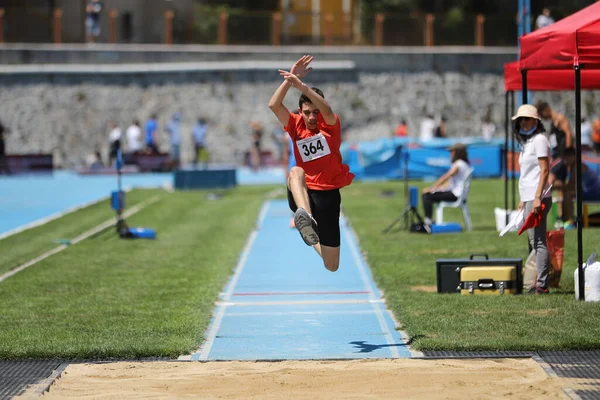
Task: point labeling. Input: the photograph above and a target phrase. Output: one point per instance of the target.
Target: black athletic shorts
(325, 207)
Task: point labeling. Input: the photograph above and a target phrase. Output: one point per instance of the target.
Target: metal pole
(524, 86)
(579, 192)
(505, 166)
(513, 148)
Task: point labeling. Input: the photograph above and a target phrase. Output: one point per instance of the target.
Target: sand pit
(358, 379)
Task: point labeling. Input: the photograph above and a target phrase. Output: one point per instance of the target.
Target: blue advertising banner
(385, 159)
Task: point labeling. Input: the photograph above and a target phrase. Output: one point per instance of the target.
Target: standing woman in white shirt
(533, 185)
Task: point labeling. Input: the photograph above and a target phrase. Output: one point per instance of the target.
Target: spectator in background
(401, 129)
(279, 137)
(134, 137)
(560, 136)
(151, 128)
(114, 139)
(257, 133)
(562, 178)
(441, 130)
(544, 19)
(4, 169)
(449, 187)
(488, 129)
(199, 136)
(586, 134)
(94, 161)
(92, 20)
(596, 136)
(173, 127)
(427, 129)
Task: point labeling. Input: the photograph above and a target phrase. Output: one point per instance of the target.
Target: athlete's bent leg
(331, 257)
(297, 185)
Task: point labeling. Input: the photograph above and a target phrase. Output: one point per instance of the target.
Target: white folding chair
(459, 203)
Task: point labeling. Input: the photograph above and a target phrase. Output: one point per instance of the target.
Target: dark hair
(523, 138)
(460, 154)
(541, 106)
(304, 98)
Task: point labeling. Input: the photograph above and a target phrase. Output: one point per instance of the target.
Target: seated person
(562, 177)
(455, 178)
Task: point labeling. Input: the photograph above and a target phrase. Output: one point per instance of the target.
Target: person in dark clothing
(92, 20)
(561, 136)
(562, 178)
(440, 131)
(4, 169)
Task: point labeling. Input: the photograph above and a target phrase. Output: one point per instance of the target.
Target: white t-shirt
(534, 148)
(115, 134)
(427, 129)
(586, 133)
(134, 138)
(457, 182)
(543, 21)
(487, 131)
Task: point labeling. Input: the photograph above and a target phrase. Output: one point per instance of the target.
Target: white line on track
(286, 313)
(300, 302)
(216, 324)
(79, 238)
(358, 260)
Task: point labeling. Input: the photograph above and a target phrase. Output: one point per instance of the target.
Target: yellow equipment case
(448, 270)
(497, 280)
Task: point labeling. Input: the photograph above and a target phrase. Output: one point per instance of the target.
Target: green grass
(403, 265)
(112, 298)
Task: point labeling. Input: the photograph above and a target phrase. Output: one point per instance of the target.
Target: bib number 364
(313, 147)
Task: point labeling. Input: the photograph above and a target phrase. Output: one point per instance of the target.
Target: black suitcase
(448, 270)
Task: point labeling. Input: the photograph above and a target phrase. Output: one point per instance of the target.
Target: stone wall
(71, 120)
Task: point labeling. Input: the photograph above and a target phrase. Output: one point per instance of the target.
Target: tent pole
(512, 149)
(505, 166)
(579, 193)
(524, 86)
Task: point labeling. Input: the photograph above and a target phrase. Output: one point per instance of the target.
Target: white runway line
(352, 243)
(300, 302)
(78, 239)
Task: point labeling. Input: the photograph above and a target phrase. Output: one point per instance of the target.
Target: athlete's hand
(301, 68)
(293, 79)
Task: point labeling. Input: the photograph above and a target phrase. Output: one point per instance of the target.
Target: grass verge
(403, 265)
(111, 298)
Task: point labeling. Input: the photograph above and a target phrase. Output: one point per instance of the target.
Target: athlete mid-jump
(314, 183)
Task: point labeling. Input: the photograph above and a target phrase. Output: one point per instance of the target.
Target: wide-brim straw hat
(457, 146)
(527, 110)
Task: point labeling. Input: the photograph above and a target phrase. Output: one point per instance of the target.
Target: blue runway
(281, 303)
(27, 199)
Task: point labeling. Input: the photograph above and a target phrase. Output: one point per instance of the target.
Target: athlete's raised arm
(300, 69)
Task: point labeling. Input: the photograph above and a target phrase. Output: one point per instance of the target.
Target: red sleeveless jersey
(317, 152)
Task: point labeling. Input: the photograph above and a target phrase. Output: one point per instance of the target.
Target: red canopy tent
(571, 43)
(574, 40)
(560, 79)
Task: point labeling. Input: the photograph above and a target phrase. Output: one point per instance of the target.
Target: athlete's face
(310, 113)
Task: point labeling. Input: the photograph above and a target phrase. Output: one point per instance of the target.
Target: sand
(356, 379)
